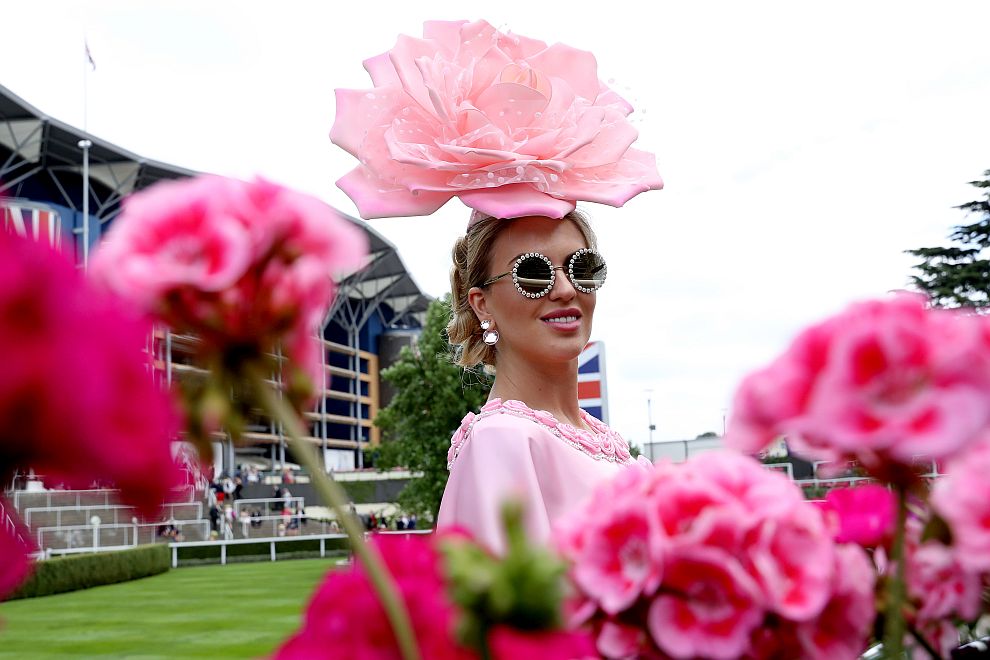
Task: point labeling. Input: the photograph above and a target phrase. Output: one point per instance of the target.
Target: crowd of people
(381, 522)
(283, 512)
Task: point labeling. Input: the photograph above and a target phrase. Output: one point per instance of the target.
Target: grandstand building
(60, 185)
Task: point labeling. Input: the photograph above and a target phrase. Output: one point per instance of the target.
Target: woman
(524, 293)
(519, 131)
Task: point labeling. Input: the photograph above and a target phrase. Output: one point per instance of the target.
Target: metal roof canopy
(41, 146)
(45, 147)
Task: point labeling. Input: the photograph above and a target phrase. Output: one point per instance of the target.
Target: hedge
(56, 576)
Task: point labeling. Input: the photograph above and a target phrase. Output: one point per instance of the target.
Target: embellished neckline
(600, 442)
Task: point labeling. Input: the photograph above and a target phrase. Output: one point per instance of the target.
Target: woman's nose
(562, 288)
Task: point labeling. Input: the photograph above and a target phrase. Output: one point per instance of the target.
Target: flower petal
(445, 33)
(578, 67)
(516, 201)
(381, 70)
(375, 200)
(355, 120)
(404, 55)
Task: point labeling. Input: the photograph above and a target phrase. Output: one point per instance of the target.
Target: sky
(804, 147)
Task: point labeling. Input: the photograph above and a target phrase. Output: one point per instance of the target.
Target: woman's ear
(478, 302)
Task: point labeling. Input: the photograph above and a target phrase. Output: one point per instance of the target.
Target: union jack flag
(592, 393)
(32, 220)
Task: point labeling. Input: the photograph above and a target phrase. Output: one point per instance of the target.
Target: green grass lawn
(233, 611)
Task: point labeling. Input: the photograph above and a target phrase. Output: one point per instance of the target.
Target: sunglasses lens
(587, 270)
(533, 275)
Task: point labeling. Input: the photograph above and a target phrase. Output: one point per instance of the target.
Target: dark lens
(533, 274)
(587, 271)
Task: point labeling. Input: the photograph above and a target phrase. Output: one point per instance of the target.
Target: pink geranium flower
(618, 640)
(940, 585)
(863, 515)
(78, 403)
(616, 554)
(508, 124)
(244, 266)
(708, 607)
(15, 547)
(962, 498)
(344, 619)
(841, 629)
(793, 562)
(737, 560)
(881, 383)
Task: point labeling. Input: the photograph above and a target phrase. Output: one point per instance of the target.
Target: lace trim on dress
(601, 443)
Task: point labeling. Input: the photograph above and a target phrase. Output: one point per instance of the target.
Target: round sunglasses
(534, 274)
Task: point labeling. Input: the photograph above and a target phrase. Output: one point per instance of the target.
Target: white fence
(108, 536)
(297, 503)
(88, 497)
(120, 513)
(272, 542)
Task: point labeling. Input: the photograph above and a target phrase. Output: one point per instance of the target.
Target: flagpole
(85, 144)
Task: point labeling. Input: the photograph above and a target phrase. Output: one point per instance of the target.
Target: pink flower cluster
(717, 558)
(962, 499)
(344, 619)
(508, 124)
(941, 589)
(78, 402)
(883, 383)
(864, 515)
(242, 265)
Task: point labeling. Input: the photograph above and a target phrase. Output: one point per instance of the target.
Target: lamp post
(85, 145)
(649, 420)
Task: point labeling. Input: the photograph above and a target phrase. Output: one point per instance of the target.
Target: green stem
(334, 495)
(894, 624)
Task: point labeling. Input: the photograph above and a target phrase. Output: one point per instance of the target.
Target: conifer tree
(959, 275)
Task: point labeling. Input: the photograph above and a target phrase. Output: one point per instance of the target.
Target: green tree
(432, 397)
(959, 275)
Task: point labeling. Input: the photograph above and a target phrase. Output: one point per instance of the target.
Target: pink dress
(508, 449)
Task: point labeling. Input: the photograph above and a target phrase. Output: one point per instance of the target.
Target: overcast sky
(804, 146)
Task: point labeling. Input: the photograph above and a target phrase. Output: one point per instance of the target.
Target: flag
(89, 55)
(592, 394)
(32, 221)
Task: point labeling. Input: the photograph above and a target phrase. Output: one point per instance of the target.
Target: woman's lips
(567, 320)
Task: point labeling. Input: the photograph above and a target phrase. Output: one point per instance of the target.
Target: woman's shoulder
(498, 419)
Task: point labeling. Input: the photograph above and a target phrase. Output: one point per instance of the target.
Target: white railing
(271, 541)
(295, 525)
(8, 521)
(93, 496)
(118, 511)
(295, 502)
(787, 468)
(115, 535)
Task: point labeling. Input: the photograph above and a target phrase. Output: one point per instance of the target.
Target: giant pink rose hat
(511, 126)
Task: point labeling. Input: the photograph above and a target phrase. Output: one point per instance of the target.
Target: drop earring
(488, 335)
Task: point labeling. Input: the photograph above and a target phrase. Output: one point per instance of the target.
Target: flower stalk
(894, 623)
(334, 495)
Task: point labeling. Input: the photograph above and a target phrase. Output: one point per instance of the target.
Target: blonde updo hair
(472, 261)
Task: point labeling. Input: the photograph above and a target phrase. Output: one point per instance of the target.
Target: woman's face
(526, 326)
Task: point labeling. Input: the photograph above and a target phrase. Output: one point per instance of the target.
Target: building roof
(36, 145)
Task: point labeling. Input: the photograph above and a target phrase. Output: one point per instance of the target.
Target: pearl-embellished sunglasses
(534, 274)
